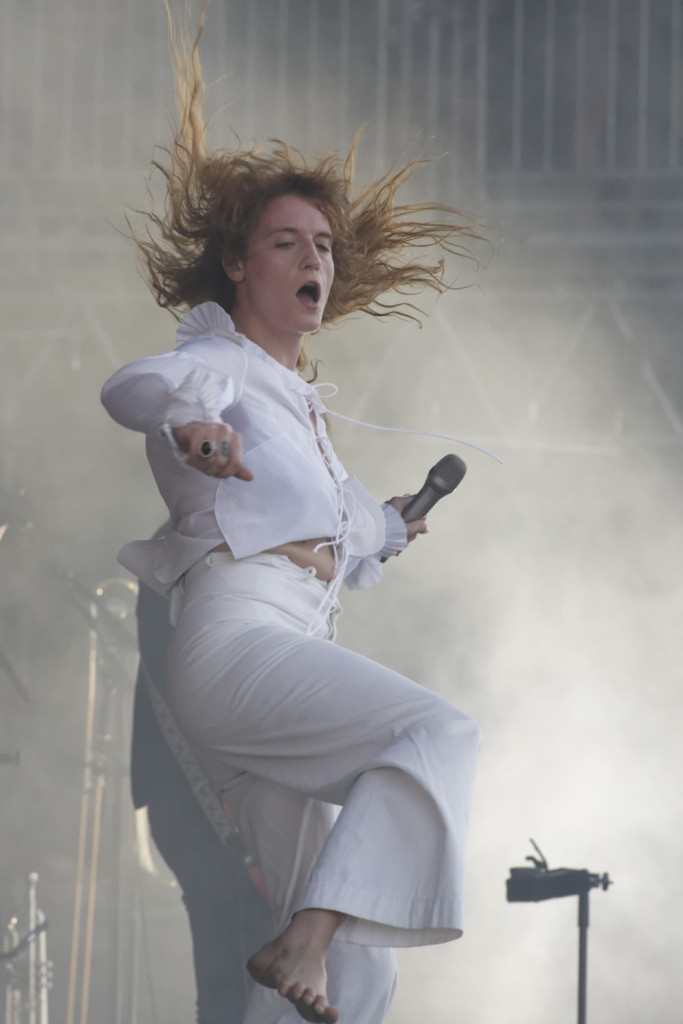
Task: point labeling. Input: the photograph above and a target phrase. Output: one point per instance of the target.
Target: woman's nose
(311, 255)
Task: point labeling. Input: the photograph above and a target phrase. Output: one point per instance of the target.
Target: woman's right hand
(224, 446)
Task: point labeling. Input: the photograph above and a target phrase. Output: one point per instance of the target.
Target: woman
(264, 248)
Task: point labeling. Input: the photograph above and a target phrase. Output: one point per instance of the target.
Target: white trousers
(349, 782)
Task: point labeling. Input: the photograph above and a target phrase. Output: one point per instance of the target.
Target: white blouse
(300, 488)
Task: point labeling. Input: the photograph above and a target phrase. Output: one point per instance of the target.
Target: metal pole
(583, 953)
(381, 83)
(32, 1014)
(549, 87)
(517, 86)
(643, 83)
(44, 972)
(612, 84)
(344, 69)
(86, 799)
(675, 82)
(283, 53)
(580, 104)
(313, 90)
(482, 83)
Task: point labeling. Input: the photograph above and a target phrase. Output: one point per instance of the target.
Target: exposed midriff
(303, 554)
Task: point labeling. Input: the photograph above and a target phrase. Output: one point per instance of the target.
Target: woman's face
(283, 282)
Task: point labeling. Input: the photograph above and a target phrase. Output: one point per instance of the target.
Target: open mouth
(309, 293)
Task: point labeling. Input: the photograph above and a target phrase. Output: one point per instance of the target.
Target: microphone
(442, 479)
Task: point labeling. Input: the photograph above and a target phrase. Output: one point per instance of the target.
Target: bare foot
(294, 964)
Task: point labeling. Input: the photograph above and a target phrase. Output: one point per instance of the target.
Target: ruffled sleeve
(198, 381)
(365, 572)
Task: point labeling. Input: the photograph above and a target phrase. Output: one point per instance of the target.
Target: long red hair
(383, 250)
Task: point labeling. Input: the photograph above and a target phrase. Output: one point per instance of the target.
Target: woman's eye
(284, 245)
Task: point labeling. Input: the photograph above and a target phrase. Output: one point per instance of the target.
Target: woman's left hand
(417, 525)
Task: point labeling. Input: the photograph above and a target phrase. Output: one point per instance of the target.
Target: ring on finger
(207, 449)
(225, 449)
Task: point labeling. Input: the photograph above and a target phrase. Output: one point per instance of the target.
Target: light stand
(105, 813)
(526, 885)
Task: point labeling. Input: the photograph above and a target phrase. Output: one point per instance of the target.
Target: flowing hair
(214, 199)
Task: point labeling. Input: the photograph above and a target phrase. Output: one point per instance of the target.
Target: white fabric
(312, 721)
(349, 782)
(289, 831)
(300, 488)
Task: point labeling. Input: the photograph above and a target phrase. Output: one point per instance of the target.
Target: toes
(309, 1014)
(310, 1006)
(297, 993)
(318, 1012)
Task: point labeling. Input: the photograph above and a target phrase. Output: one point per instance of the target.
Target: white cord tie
(416, 433)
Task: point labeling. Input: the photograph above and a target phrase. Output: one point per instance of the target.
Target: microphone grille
(447, 473)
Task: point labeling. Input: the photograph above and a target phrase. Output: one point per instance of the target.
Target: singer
(350, 783)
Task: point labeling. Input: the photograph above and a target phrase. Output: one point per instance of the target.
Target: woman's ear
(233, 268)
